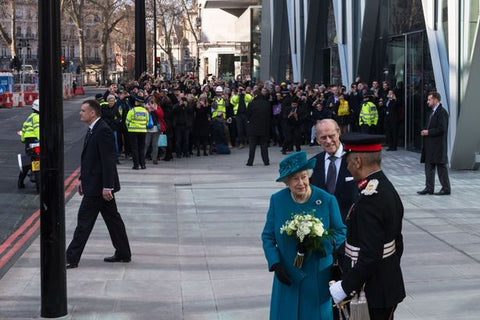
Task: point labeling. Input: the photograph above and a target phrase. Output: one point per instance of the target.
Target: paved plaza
(194, 226)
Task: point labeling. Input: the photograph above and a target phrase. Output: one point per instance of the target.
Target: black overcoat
(434, 148)
(259, 114)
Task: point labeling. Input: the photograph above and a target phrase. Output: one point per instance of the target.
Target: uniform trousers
(137, 144)
(87, 215)
(382, 313)
(442, 176)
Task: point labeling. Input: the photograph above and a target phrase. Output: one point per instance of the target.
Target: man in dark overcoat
(434, 150)
(259, 115)
(374, 242)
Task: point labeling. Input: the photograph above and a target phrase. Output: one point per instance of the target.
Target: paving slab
(194, 226)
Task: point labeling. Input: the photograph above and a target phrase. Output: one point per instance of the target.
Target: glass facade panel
(402, 58)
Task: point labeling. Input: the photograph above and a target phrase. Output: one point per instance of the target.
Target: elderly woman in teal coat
(300, 293)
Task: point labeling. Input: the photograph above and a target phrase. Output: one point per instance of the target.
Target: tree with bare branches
(7, 32)
(189, 7)
(74, 9)
(110, 13)
(169, 16)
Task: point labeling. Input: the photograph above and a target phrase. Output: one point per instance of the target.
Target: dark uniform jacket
(434, 148)
(346, 192)
(98, 167)
(375, 220)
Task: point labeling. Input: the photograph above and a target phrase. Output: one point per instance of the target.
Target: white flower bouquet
(310, 232)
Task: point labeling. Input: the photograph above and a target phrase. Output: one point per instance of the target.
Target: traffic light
(157, 62)
(198, 63)
(62, 60)
(15, 64)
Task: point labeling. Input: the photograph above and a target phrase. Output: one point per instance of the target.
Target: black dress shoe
(71, 265)
(114, 258)
(135, 168)
(143, 167)
(249, 164)
(425, 191)
(442, 192)
(266, 163)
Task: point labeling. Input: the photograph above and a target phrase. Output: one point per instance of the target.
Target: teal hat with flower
(293, 163)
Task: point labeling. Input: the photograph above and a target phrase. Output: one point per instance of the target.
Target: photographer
(182, 122)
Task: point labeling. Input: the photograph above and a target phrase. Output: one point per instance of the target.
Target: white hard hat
(218, 89)
(36, 105)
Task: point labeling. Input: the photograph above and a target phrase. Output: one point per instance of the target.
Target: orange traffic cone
(29, 100)
(66, 93)
(20, 100)
(8, 101)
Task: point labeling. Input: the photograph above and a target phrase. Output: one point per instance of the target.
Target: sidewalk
(194, 227)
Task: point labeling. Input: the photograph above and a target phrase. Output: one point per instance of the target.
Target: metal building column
(312, 62)
(280, 41)
(466, 143)
(367, 46)
(266, 40)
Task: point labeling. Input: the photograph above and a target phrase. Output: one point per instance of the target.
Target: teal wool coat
(308, 296)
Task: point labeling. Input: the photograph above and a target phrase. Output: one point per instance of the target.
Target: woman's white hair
(309, 173)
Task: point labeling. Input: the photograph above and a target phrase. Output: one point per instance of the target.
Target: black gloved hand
(301, 248)
(281, 274)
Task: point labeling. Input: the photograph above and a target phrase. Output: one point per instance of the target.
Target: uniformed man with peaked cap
(374, 242)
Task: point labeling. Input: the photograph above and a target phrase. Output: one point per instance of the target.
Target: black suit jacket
(98, 167)
(375, 220)
(346, 192)
(434, 148)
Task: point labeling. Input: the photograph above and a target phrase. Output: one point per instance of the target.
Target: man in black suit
(331, 174)
(259, 115)
(374, 243)
(97, 183)
(434, 150)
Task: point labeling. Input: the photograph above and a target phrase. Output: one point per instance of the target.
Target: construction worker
(30, 134)
(218, 103)
(368, 117)
(240, 103)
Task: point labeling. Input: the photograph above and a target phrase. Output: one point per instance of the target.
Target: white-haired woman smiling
(300, 292)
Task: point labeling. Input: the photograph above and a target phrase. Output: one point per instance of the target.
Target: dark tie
(89, 133)
(331, 175)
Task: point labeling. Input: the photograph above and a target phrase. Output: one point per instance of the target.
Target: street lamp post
(53, 282)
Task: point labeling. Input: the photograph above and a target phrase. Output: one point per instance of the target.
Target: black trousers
(263, 142)
(382, 314)
(137, 144)
(242, 123)
(442, 176)
(87, 215)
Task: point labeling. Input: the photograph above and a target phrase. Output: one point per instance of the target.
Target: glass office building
(415, 45)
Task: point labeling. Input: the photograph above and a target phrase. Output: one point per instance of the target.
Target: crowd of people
(213, 116)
